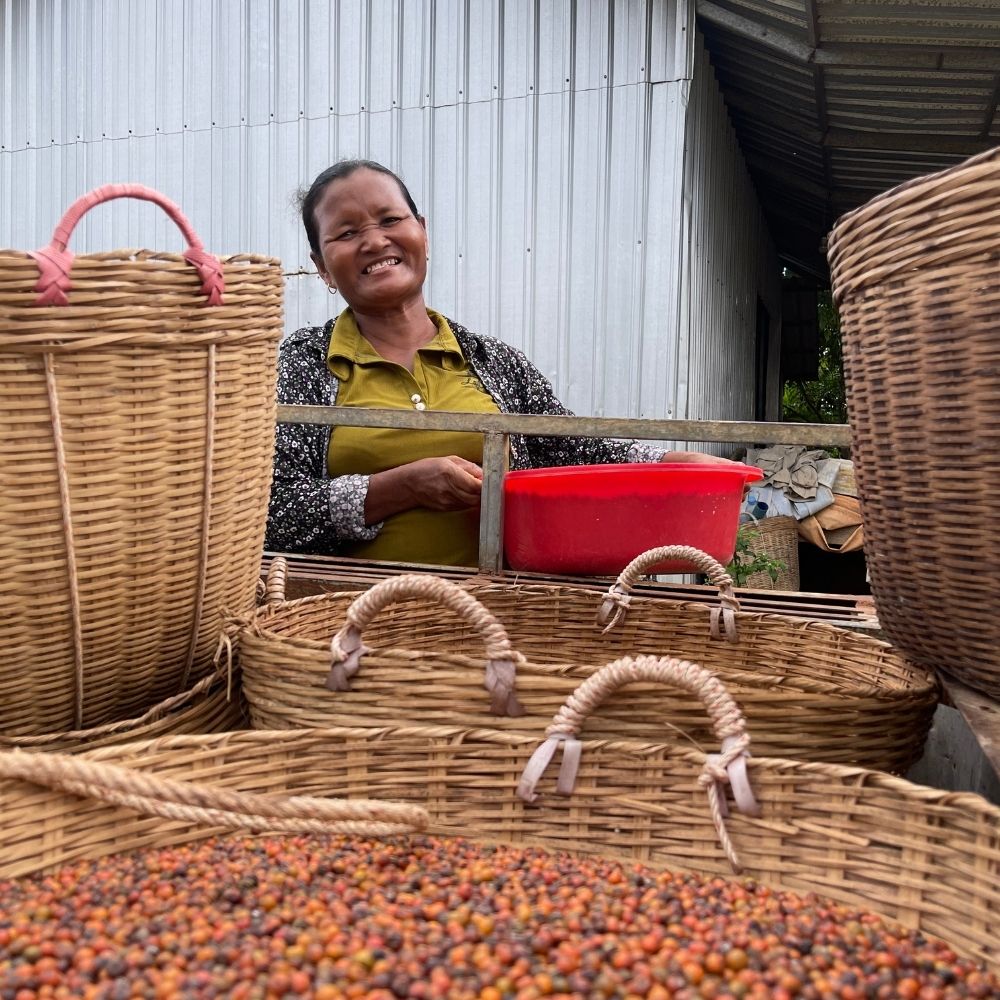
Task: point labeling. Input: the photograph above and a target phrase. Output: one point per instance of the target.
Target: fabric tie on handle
(730, 768)
(347, 647)
(718, 770)
(56, 260)
(722, 619)
(539, 761)
(346, 650)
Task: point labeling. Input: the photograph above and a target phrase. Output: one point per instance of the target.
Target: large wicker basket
(925, 858)
(914, 275)
(810, 690)
(137, 421)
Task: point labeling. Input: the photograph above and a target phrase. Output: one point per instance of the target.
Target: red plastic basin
(594, 519)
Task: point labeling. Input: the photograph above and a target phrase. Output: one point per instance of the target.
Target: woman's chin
(379, 289)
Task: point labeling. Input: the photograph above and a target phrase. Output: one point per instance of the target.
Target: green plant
(746, 561)
(822, 399)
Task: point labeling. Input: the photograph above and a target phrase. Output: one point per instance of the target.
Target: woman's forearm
(388, 493)
(446, 483)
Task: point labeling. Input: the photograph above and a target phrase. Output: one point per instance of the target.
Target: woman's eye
(391, 220)
(346, 234)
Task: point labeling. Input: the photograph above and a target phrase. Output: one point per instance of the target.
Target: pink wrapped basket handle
(55, 260)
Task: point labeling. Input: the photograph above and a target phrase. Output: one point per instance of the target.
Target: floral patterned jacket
(312, 513)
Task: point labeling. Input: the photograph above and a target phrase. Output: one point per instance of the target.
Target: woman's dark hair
(337, 172)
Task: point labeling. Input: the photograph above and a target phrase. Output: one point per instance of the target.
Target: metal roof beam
(819, 87)
(746, 28)
(905, 142)
(850, 54)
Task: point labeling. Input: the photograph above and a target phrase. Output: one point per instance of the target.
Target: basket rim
(913, 188)
(143, 255)
(922, 681)
(145, 751)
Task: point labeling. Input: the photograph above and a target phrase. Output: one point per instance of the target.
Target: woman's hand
(449, 483)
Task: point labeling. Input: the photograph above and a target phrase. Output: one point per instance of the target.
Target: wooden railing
(496, 428)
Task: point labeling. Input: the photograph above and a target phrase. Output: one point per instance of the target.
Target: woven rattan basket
(214, 705)
(777, 538)
(810, 690)
(914, 276)
(925, 858)
(137, 428)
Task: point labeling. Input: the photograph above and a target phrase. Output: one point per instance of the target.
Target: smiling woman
(409, 496)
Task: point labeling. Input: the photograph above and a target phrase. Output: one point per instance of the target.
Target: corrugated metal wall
(730, 261)
(544, 142)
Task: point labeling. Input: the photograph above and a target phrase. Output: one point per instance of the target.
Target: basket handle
(55, 260)
(346, 647)
(210, 805)
(618, 597)
(728, 767)
(274, 582)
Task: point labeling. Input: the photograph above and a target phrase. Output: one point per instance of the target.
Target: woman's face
(372, 249)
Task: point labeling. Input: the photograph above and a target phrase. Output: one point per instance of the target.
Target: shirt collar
(348, 348)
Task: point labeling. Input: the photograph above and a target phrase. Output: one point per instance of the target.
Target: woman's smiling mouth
(380, 265)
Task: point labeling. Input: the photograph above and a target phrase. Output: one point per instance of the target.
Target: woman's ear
(320, 267)
(427, 244)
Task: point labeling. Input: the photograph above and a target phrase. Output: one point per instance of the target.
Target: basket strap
(618, 597)
(347, 647)
(211, 805)
(728, 722)
(55, 260)
(66, 510)
(206, 516)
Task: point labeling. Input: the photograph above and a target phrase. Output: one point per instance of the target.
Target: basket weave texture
(778, 538)
(213, 705)
(926, 858)
(914, 274)
(137, 428)
(809, 690)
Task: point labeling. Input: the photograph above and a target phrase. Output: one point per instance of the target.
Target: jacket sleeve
(310, 512)
(534, 394)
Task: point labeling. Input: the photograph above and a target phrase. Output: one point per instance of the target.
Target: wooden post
(495, 463)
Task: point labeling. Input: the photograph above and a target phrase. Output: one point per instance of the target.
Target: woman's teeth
(378, 265)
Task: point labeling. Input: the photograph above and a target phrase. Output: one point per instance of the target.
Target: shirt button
(420, 406)
(415, 398)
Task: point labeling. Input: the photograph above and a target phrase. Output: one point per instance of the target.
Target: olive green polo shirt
(441, 380)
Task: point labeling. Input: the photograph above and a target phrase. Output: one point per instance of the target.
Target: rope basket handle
(347, 648)
(728, 723)
(274, 582)
(55, 260)
(211, 805)
(618, 597)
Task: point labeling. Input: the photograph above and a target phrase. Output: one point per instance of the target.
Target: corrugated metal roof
(835, 101)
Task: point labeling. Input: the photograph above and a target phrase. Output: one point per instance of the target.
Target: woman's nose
(373, 237)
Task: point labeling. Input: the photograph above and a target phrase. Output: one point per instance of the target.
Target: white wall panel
(544, 142)
(729, 263)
